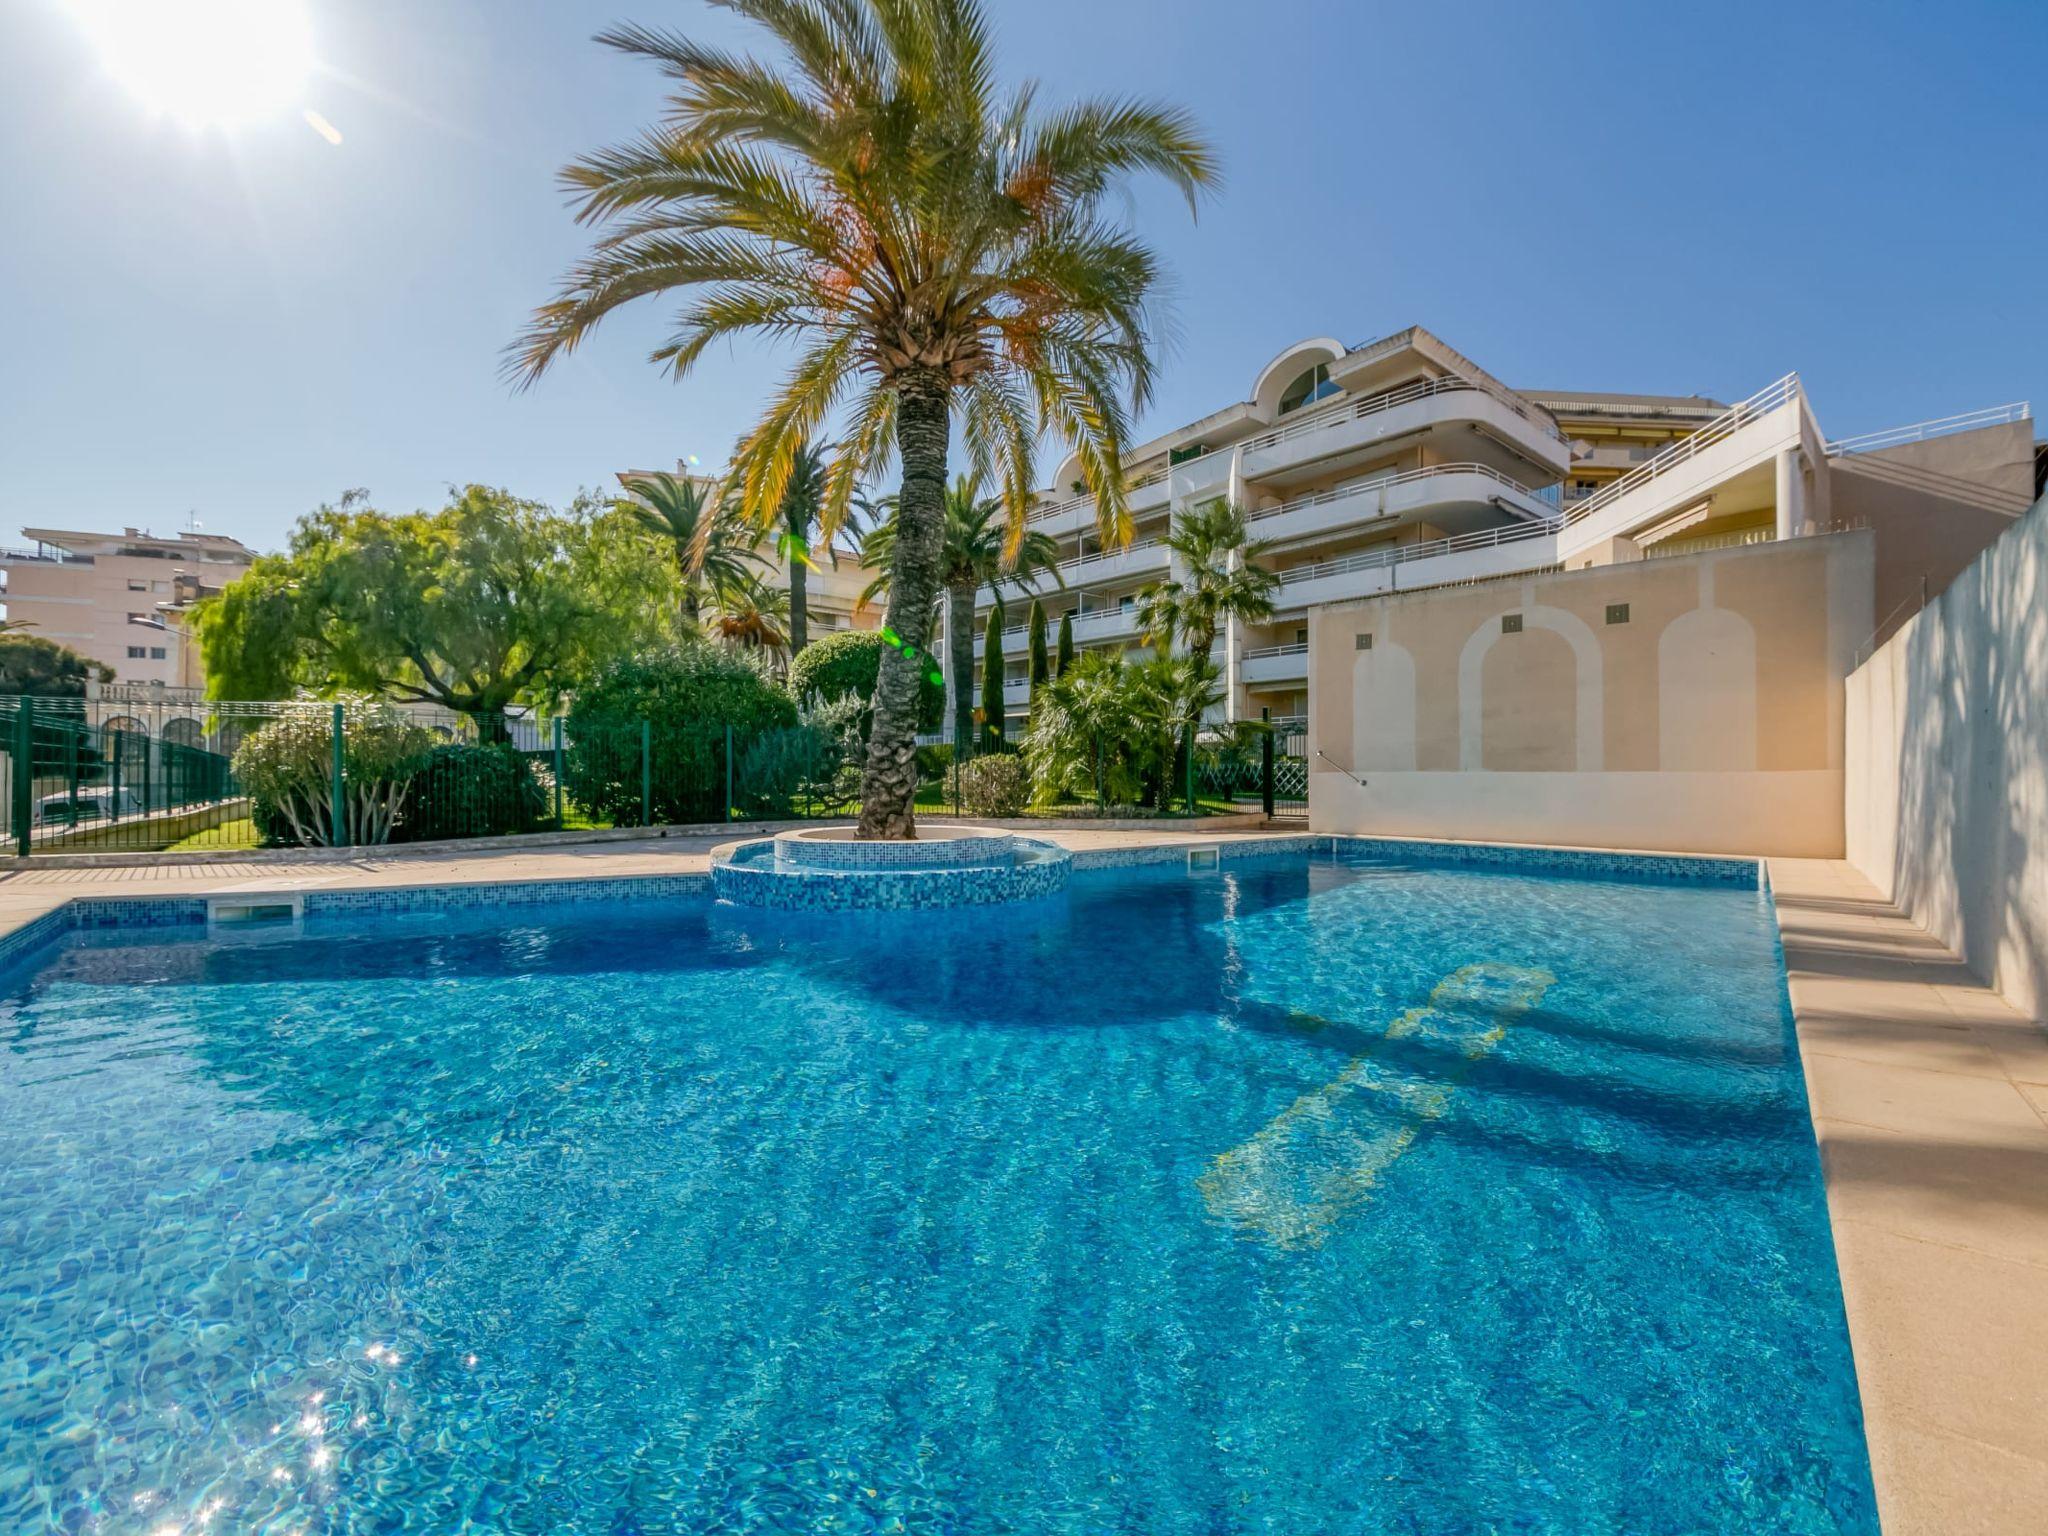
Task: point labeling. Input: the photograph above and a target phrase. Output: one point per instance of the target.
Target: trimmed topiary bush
(846, 664)
(467, 790)
(995, 785)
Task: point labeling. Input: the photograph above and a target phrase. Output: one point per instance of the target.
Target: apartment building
(121, 598)
(1400, 465)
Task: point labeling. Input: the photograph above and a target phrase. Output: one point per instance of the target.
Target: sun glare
(207, 63)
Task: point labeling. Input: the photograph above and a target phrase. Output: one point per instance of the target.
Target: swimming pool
(1317, 1194)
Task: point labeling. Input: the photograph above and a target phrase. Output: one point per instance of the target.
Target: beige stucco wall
(1934, 506)
(1947, 791)
(1709, 720)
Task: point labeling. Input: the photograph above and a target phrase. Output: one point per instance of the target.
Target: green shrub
(683, 700)
(846, 664)
(993, 785)
(287, 769)
(466, 790)
(934, 761)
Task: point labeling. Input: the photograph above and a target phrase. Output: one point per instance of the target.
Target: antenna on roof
(192, 523)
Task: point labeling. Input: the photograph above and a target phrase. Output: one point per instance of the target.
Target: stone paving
(1930, 1102)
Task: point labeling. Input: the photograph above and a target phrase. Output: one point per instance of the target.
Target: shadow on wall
(1949, 814)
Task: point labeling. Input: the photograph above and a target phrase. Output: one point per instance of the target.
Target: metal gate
(1287, 771)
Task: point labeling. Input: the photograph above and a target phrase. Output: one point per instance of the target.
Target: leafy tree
(706, 545)
(971, 556)
(933, 247)
(487, 602)
(30, 664)
(1034, 629)
(1065, 654)
(992, 713)
(1221, 580)
(845, 665)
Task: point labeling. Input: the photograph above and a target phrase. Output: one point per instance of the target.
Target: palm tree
(688, 516)
(750, 613)
(1221, 580)
(971, 556)
(797, 519)
(932, 246)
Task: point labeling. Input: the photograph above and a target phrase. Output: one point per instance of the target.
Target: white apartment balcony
(1363, 427)
(1744, 441)
(1360, 428)
(1391, 497)
(1274, 664)
(1147, 557)
(1403, 567)
(1076, 514)
(1097, 628)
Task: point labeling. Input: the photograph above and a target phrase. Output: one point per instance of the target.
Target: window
(136, 585)
(1617, 613)
(1511, 623)
(137, 652)
(1364, 642)
(159, 586)
(1301, 637)
(156, 653)
(1312, 386)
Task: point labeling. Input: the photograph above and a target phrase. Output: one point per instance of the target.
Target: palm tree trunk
(889, 783)
(799, 597)
(960, 646)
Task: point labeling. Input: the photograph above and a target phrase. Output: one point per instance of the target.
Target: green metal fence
(132, 773)
(83, 776)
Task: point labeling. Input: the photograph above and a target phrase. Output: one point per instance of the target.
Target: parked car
(98, 804)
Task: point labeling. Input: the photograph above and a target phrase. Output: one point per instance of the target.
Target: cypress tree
(1066, 651)
(992, 679)
(1036, 628)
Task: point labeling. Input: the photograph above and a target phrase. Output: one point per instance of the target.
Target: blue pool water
(1315, 1196)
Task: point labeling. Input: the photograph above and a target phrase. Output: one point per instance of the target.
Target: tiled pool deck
(1929, 1098)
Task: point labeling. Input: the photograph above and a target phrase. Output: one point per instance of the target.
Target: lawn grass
(239, 833)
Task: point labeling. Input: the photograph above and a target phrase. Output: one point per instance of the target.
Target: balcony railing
(1364, 406)
(1717, 431)
(1401, 554)
(1077, 503)
(1941, 426)
(1405, 477)
(1299, 648)
(1372, 405)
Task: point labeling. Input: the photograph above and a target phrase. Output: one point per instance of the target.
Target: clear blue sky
(1631, 197)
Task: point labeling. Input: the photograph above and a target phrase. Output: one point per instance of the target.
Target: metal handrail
(1721, 428)
(1075, 503)
(1403, 478)
(1401, 554)
(1387, 400)
(1940, 426)
(1298, 648)
(1314, 421)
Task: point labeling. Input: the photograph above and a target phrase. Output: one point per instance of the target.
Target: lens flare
(206, 63)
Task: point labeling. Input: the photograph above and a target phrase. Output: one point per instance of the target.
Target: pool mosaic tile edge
(102, 912)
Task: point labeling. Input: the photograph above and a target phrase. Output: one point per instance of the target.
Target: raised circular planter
(938, 848)
(823, 869)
